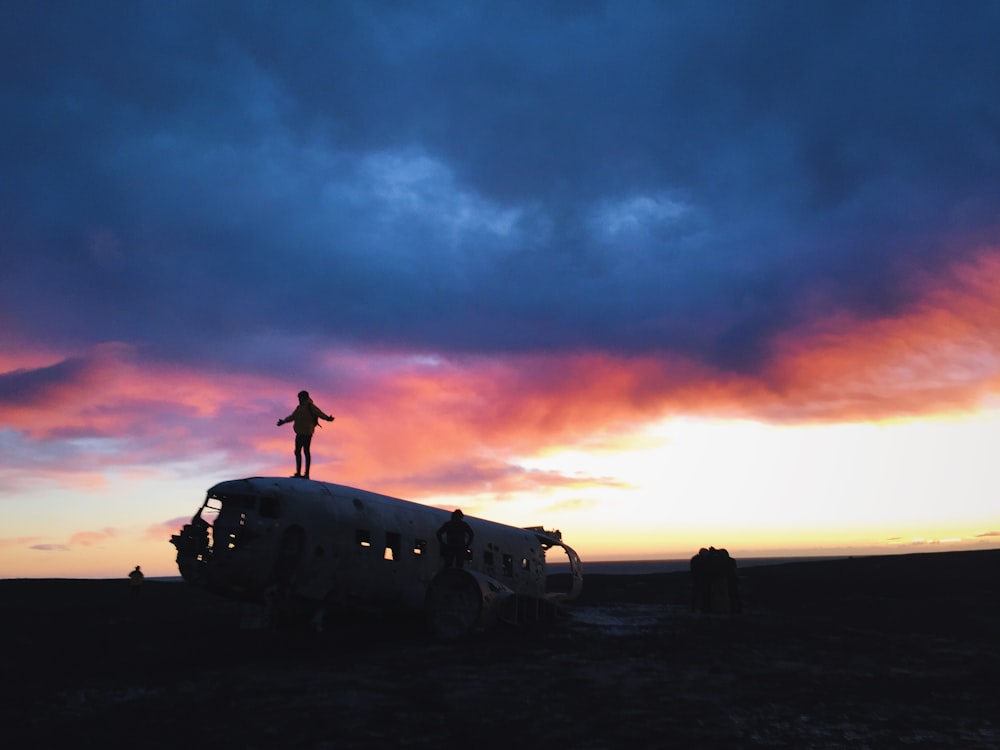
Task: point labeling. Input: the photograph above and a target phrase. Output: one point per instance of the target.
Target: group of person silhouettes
(714, 582)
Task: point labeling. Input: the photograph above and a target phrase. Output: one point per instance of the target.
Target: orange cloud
(446, 418)
(410, 424)
(943, 355)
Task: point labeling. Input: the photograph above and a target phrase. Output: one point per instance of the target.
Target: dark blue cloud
(627, 176)
(30, 387)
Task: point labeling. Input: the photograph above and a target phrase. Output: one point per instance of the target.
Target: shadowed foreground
(876, 652)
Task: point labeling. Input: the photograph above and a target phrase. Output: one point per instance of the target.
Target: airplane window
(525, 565)
(508, 565)
(487, 557)
(393, 541)
(419, 547)
(363, 537)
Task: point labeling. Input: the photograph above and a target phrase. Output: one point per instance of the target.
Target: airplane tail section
(550, 539)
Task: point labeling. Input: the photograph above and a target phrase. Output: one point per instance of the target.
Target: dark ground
(874, 652)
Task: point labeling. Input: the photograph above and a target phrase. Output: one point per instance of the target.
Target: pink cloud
(112, 392)
(91, 538)
(163, 531)
(17, 541)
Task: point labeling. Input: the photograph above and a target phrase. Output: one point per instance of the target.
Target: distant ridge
(641, 567)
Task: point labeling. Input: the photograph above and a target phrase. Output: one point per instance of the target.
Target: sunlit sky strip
(659, 275)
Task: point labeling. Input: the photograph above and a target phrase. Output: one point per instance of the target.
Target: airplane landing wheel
(454, 604)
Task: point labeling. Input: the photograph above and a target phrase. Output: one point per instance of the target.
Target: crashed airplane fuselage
(298, 546)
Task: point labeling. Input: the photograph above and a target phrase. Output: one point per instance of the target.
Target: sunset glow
(597, 277)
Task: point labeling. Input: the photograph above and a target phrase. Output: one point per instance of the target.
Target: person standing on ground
(135, 579)
(305, 417)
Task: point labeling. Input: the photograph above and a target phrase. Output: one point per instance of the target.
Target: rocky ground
(874, 652)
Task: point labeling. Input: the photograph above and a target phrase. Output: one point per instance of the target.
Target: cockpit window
(245, 502)
(210, 510)
(231, 504)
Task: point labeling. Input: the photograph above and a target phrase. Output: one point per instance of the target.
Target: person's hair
(457, 513)
(303, 395)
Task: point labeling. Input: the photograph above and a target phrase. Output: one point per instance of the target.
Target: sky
(661, 275)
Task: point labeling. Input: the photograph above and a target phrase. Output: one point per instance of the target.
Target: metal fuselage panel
(333, 543)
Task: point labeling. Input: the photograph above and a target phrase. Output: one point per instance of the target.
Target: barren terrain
(875, 652)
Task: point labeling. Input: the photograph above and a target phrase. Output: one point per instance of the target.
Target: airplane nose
(192, 550)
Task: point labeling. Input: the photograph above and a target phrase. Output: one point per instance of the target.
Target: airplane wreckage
(300, 548)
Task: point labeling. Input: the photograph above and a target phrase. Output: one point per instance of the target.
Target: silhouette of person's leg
(306, 441)
(298, 456)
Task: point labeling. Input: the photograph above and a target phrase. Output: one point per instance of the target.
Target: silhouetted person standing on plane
(305, 417)
(135, 579)
(455, 536)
